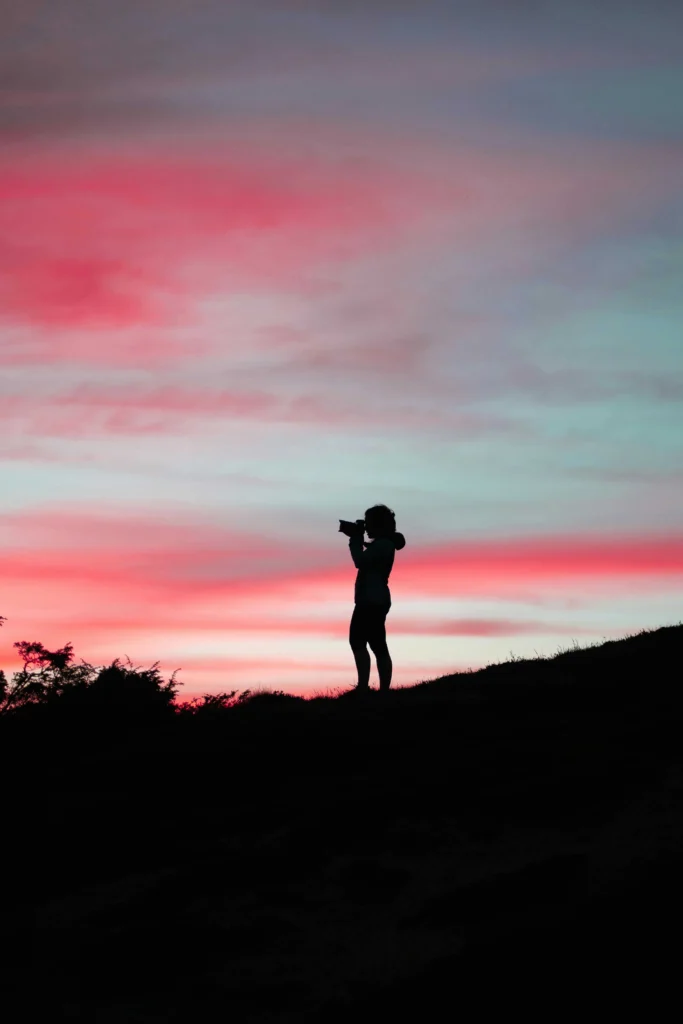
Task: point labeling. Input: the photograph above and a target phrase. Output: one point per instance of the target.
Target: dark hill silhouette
(507, 839)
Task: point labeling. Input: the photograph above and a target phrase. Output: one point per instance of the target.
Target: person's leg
(378, 643)
(359, 646)
(384, 668)
(363, 665)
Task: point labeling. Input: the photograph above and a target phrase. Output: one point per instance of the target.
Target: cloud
(544, 561)
(164, 620)
(182, 562)
(116, 258)
(88, 412)
(70, 68)
(575, 385)
(114, 241)
(130, 550)
(63, 45)
(157, 585)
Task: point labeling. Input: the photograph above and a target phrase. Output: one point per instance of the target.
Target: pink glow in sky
(264, 265)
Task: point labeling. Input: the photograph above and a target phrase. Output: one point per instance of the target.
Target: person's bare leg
(384, 668)
(362, 658)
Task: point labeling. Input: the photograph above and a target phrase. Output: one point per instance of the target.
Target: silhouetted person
(372, 595)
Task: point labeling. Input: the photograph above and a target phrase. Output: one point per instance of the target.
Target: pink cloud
(113, 241)
(134, 567)
(89, 411)
(164, 619)
(158, 550)
(94, 241)
(107, 573)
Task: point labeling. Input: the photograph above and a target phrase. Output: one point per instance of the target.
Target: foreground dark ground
(508, 839)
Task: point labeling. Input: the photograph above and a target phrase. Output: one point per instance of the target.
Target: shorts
(368, 626)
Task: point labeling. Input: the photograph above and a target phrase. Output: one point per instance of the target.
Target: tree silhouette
(45, 676)
(117, 690)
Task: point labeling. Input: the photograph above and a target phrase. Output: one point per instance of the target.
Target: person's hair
(381, 519)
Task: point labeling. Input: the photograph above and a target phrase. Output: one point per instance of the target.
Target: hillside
(485, 840)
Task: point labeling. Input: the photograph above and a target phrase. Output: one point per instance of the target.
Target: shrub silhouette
(46, 676)
(269, 698)
(210, 705)
(124, 689)
(49, 679)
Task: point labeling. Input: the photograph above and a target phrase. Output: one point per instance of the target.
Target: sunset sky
(263, 265)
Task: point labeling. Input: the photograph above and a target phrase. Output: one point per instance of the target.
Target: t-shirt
(374, 567)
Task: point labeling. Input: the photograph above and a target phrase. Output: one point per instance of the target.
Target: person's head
(380, 521)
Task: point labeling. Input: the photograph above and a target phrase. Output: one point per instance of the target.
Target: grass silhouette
(484, 840)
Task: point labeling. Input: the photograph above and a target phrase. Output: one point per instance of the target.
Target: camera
(351, 529)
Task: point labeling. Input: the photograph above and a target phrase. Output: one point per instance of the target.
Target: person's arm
(372, 555)
(356, 545)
